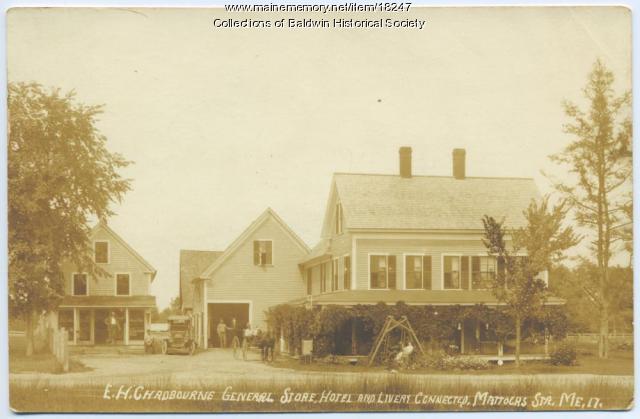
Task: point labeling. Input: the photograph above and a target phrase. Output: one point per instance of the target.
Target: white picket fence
(59, 346)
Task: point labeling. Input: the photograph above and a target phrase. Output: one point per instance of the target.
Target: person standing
(112, 327)
(233, 331)
(222, 333)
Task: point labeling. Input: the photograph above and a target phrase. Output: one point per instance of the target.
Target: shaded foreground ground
(373, 390)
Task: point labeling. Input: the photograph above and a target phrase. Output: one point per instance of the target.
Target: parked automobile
(180, 337)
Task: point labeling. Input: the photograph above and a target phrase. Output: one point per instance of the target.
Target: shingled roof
(431, 202)
(192, 263)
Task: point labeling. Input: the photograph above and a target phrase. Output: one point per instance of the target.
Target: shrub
(445, 362)
(565, 354)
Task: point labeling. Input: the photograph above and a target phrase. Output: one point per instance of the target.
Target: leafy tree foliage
(518, 283)
(60, 174)
(568, 284)
(601, 195)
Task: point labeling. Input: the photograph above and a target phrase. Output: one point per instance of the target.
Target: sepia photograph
(340, 207)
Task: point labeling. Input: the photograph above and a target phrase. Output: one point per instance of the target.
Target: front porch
(86, 318)
(348, 329)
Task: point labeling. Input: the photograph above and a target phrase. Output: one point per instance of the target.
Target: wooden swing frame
(391, 324)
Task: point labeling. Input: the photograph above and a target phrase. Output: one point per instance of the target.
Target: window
(452, 272)
(382, 272)
(262, 252)
(80, 284)
(136, 324)
(123, 284)
(334, 275)
(347, 273)
(483, 271)
(101, 252)
(309, 282)
(456, 272)
(338, 218)
(418, 272)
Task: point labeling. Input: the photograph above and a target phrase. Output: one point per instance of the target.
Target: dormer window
(101, 252)
(338, 218)
(262, 252)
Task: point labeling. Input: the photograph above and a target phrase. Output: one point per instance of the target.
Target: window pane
(269, 253)
(391, 260)
(122, 284)
(464, 268)
(79, 284)
(309, 283)
(101, 252)
(378, 272)
(451, 272)
(426, 272)
(414, 272)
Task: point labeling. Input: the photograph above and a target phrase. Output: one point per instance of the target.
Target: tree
(600, 158)
(60, 175)
(175, 307)
(517, 283)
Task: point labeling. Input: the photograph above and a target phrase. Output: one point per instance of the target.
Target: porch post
(462, 338)
(500, 349)
(92, 327)
(126, 326)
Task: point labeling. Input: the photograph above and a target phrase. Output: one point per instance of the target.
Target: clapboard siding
(399, 247)
(238, 279)
(120, 261)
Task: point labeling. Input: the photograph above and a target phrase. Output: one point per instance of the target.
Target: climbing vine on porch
(330, 327)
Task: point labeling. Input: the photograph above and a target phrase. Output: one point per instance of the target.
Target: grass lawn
(618, 363)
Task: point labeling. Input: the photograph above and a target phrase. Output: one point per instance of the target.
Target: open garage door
(226, 312)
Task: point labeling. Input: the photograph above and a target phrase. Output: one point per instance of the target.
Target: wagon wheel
(165, 347)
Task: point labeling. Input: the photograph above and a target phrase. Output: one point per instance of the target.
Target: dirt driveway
(216, 366)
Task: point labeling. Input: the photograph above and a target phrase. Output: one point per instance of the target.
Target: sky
(223, 123)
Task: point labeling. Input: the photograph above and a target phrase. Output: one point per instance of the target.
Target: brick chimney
(405, 162)
(459, 163)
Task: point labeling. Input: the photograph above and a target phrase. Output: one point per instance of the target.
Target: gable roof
(102, 225)
(267, 214)
(192, 263)
(431, 202)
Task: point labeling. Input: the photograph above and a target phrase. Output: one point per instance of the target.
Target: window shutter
(464, 269)
(392, 272)
(475, 272)
(256, 252)
(426, 272)
(269, 251)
